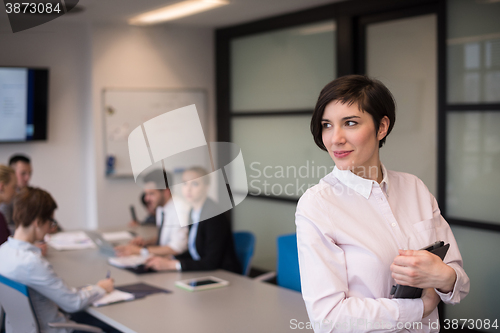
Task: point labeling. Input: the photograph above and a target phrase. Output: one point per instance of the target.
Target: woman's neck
(373, 172)
(25, 234)
(198, 205)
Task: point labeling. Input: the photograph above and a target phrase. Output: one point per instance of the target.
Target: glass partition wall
(471, 184)
(276, 77)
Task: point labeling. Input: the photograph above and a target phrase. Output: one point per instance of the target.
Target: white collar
(195, 215)
(22, 245)
(361, 185)
(164, 207)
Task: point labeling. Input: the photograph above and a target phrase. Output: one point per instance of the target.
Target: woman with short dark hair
(360, 229)
(22, 262)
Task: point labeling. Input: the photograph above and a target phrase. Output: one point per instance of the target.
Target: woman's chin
(343, 165)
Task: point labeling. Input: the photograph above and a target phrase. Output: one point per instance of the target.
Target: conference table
(244, 306)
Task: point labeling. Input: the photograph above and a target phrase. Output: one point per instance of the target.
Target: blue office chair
(288, 262)
(19, 314)
(288, 274)
(244, 244)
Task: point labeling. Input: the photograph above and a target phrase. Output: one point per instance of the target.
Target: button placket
(388, 215)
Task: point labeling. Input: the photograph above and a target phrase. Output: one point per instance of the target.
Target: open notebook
(133, 263)
(115, 296)
(127, 261)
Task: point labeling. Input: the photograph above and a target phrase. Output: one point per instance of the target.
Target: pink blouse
(349, 230)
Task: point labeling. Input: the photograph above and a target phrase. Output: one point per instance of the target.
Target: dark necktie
(161, 226)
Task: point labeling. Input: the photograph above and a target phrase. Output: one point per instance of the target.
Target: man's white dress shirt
(172, 234)
(349, 230)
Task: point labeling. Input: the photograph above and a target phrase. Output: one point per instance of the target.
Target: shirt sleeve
(44, 280)
(453, 259)
(325, 287)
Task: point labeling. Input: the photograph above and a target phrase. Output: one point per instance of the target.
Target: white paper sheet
(114, 297)
(72, 240)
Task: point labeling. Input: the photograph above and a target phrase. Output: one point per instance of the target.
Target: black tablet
(399, 291)
(140, 269)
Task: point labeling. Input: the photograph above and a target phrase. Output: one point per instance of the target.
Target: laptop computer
(104, 246)
(108, 250)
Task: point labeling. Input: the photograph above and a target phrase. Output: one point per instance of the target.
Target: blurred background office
(262, 64)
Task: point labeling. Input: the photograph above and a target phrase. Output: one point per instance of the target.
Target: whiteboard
(126, 109)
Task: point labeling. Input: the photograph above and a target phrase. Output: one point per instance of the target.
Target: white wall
(143, 57)
(59, 165)
(83, 60)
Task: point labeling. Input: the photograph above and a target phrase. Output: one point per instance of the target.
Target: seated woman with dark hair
(23, 262)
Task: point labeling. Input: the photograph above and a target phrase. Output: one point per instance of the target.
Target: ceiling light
(318, 28)
(175, 11)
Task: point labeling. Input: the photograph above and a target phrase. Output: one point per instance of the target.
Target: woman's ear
(383, 128)
(36, 223)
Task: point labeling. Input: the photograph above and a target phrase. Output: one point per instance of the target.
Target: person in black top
(7, 191)
(210, 241)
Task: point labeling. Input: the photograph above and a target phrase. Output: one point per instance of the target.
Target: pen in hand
(107, 284)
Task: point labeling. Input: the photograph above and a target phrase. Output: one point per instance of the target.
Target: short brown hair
(6, 174)
(369, 94)
(32, 203)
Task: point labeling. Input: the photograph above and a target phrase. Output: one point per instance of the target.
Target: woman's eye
(326, 125)
(350, 123)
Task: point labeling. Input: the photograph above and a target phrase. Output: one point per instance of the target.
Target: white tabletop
(244, 306)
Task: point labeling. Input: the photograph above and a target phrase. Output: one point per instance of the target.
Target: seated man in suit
(171, 238)
(210, 244)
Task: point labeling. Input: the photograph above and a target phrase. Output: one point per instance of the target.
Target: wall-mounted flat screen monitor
(23, 104)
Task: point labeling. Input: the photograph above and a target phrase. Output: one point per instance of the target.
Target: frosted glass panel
(473, 51)
(483, 300)
(267, 220)
(284, 69)
(473, 166)
(280, 155)
(402, 54)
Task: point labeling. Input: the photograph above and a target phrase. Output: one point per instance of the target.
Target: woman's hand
(43, 247)
(423, 269)
(161, 264)
(430, 299)
(107, 284)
